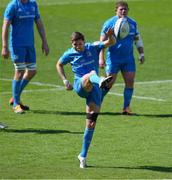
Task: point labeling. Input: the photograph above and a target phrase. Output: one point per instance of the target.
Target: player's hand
(101, 63)
(69, 87)
(142, 59)
(45, 48)
(67, 84)
(5, 53)
(110, 32)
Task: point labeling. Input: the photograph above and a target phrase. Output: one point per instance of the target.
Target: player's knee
(30, 74)
(19, 74)
(130, 83)
(92, 118)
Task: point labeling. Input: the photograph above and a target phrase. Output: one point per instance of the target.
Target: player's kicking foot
(24, 107)
(127, 111)
(18, 110)
(82, 161)
(105, 82)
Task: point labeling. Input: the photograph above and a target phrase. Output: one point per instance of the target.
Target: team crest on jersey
(88, 53)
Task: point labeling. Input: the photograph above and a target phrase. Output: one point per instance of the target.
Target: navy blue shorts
(123, 67)
(23, 54)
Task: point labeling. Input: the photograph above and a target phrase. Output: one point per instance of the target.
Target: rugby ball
(121, 28)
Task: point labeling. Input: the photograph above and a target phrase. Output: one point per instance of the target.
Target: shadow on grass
(157, 115)
(40, 131)
(68, 113)
(145, 115)
(57, 112)
(151, 168)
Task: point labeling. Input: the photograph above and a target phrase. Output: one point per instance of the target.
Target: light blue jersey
(83, 62)
(22, 17)
(122, 51)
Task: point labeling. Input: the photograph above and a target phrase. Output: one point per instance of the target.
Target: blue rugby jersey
(122, 51)
(22, 17)
(85, 61)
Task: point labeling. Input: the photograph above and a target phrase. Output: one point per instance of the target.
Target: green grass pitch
(44, 142)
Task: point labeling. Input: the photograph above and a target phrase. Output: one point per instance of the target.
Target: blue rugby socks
(88, 134)
(17, 88)
(128, 92)
(15, 91)
(23, 84)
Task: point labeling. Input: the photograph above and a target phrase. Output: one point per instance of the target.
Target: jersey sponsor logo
(84, 64)
(26, 16)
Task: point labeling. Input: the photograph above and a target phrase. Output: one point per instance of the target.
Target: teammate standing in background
(120, 56)
(84, 59)
(21, 15)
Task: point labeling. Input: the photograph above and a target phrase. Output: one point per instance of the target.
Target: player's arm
(140, 48)
(61, 72)
(102, 52)
(5, 28)
(41, 31)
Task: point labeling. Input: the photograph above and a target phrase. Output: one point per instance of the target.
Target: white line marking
(36, 90)
(117, 84)
(139, 97)
(147, 82)
(36, 83)
(57, 87)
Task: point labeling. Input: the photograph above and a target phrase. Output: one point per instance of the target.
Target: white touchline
(144, 82)
(57, 87)
(147, 82)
